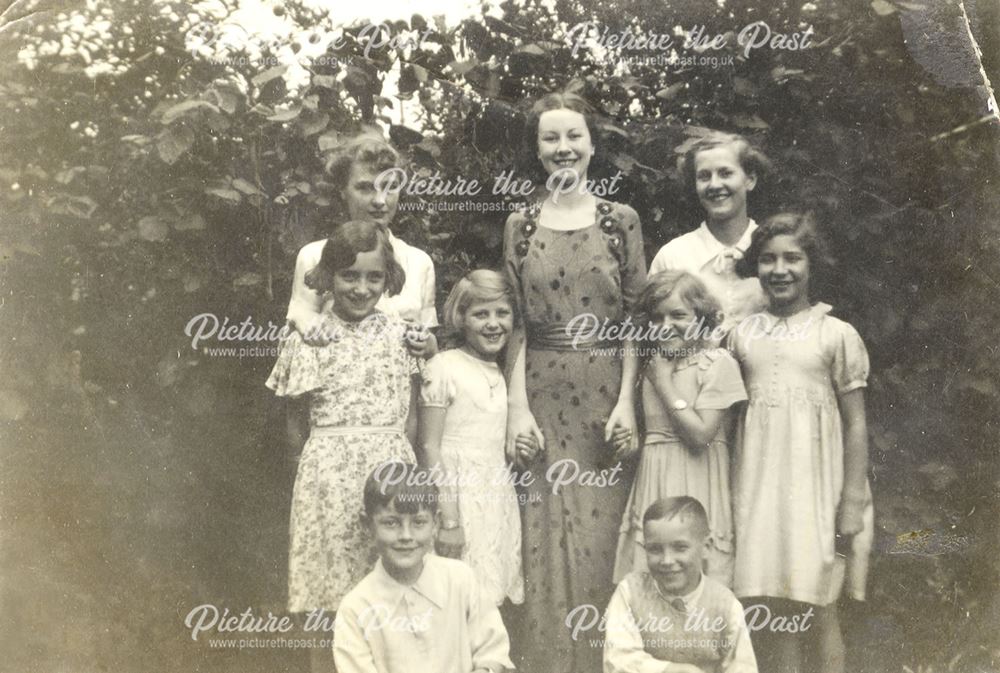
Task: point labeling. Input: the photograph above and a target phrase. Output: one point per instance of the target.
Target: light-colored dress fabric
(474, 395)
(359, 388)
(789, 462)
(668, 468)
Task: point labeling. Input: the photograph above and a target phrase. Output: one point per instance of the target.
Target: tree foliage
(150, 173)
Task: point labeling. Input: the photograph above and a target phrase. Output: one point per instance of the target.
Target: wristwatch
(680, 405)
(449, 524)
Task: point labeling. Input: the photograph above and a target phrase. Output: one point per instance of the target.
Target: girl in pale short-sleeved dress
(802, 505)
(463, 420)
(690, 394)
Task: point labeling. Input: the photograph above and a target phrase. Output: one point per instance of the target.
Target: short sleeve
(722, 384)
(850, 358)
(511, 262)
(297, 370)
(305, 303)
(428, 314)
(664, 259)
(633, 272)
(438, 387)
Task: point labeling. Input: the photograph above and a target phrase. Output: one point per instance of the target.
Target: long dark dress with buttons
(569, 537)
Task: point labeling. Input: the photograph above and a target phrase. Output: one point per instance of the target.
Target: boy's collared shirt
(626, 648)
(440, 624)
(699, 252)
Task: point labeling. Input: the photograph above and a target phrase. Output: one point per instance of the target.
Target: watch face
(680, 405)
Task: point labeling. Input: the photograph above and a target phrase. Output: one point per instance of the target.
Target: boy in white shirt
(415, 612)
(672, 618)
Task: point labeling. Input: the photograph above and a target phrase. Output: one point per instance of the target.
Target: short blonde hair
(481, 285)
(692, 291)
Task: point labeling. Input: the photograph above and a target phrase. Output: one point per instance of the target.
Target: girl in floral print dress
(361, 390)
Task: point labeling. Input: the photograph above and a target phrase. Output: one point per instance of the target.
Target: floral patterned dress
(359, 389)
(570, 535)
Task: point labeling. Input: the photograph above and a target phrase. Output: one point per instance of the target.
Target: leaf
(883, 8)
(532, 49)
(191, 283)
(325, 81)
(310, 102)
(670, 91)
(328, 141)
(268, 75)
(462, 67)
(230, 195)
(314, 124)
(246, 187)
(187, 106)
(227, 98)
(247, 279)
(191, 222)
(152, 228)
(750, 122)
(12, 406)
(173, 142)
(404, 136)
(285, 115)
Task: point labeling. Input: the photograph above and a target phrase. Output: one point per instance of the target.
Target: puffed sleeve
(305, 304)
(511, 260)
(633, 269)
(428, 314)
(721, 384)
(512, 269)
(438, 387)
(850, 357)
(297, 370)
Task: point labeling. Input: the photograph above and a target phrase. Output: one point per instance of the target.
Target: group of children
(751, 480)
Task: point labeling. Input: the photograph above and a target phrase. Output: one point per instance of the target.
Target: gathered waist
(341, 430)
(561, 336)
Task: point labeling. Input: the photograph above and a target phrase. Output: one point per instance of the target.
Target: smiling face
(364, 201)
(358, 288)
(674, 553)
(783, 268)
(674, 314)
(402, 540)
(486, 326)
(564, 142)
(721, 183)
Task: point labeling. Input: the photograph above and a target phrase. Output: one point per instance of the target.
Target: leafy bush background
(143, 184)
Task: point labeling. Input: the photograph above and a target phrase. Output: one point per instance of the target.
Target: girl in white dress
(463, 420)
(802, 508)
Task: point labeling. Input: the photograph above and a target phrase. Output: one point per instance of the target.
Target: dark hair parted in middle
(341, 251)
(803, 228)
(404, 486)
(547, 103)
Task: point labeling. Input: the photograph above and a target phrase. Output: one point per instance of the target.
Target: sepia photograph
(467, 336)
